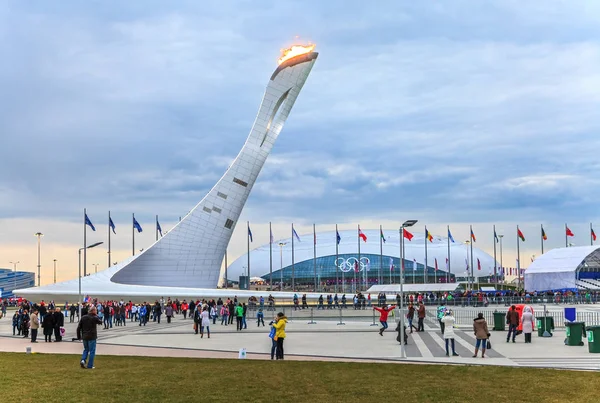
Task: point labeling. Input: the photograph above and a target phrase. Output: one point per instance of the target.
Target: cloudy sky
(463, 112)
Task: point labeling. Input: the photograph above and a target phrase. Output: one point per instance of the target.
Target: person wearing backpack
(272, 333)
(280, 334)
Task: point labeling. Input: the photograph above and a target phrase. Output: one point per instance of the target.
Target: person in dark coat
(59, 321)
(48, 326)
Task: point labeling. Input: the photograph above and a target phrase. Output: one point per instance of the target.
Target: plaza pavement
(356, 340)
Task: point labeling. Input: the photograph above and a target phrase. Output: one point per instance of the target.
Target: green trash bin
(499, 321)
(575, 333)
(593, 336)
(544, 323)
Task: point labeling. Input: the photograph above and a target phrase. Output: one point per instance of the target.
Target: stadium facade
(188, 259)
(11, 280)
(373, 266)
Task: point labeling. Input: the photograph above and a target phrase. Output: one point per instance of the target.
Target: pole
(501, 265)
(402, 350)
(379, 275)
(133, 234)
(518, 260)
(84, 244)
(591, 238)
(79, 304)
(336, 259)
(109, 238)
(293, 271)
(226, 280)
(448, 276)
(248, 242)
(270, 256)
(315, 254)
(472, 271)
(54, 271)
(566, 239)
(358, 264)
(156, 227)
(542, 236)
(495, 264)
(425, 267)
(39, 265)
(281, 244)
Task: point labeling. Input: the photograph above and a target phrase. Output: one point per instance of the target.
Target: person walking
(59, 322)
(480, 329)
(239, 315)
(89, 334)
(448, 331)
(527, 323)
(48, 326)
(512, 320)
(34, 325)
(169, 312)
(410, 316)
(421, 314)
(245, 310)
(260, 317)
(205, 322)
(280, 334)
(383, 316)
(224, 315)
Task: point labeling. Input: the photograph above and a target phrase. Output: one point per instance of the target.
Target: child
(15, 323)
(260, 317)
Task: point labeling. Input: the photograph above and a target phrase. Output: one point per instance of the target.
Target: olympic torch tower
(190, 255)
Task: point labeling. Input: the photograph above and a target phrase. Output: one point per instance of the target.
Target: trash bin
(544, 324)
(593, 336)
(499, 321)
(575, 333)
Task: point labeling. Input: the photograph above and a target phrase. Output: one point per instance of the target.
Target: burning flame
(293, 51)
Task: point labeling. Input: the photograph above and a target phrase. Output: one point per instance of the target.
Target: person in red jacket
(383, 315)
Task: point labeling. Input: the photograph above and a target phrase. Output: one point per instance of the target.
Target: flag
(361, 235)
(446, 263)
(569, 232)
(271, 234)
(467, 263)
(544, 237)
(450, 236)
(158, 228)
(88, 222)
(391, 264)
(428, 235)
(593, 234)
(496, 237)
(478, 264)
(436, 267)
(356, 266)
(473, 236)
(381, 233)
(250, 234)
(137, 225)
(111, 224)
(414, 264)
(407, 234)
(520, 235)
(295, 234)
(338, 238)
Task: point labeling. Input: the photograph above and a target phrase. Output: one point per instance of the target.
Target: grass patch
(58, 378)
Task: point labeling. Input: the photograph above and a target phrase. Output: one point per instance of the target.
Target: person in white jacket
(527, 323)
(448, 321)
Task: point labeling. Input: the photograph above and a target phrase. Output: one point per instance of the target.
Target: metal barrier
(312, 315)
(374, 324)
(341, 322)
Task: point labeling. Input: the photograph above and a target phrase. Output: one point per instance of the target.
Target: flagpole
(379, 278)
(358, 264)
(108, 238)
(425, 267)
(156, 227)
(495, 264)
(248, 242)
(293, 272)
(226, 280)
(518, 259)
(270, 256)
(542, 236)
(448, 276)
(336, 260)
(133, 234)
(472, 272)
(315, 254)
(84, 254)
(591, 238)
(566, 239)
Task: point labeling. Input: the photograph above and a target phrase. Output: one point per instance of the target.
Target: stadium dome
(378, 271)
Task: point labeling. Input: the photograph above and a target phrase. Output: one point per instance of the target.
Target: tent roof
(432, 287)
(561, 259)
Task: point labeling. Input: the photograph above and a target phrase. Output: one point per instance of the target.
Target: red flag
(356, 266)
(407, 234)
(478, 264)
(362, 235)
(520, 235)
(593, 235)
(436, 268)
(569, 232)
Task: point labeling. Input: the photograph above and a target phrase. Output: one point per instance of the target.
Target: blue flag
(338, 238)
(496, 237)
(137, 225)
(158, 228)
(250, 234)
(295, 234)
(450, 235)
(88, 222)
(111, 224)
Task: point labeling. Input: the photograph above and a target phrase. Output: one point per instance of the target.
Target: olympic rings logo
(353, 264)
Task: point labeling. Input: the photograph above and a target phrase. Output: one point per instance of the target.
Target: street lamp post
(408, 223)
(15, 275)
(503, 272)
(80, 249)
(281, 245)
(54, 271)
(95, 267)
(39, 265)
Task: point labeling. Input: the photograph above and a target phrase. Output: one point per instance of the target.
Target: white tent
(557, 268)
(431, 287)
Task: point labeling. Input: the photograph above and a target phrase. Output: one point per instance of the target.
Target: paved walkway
(325, 340)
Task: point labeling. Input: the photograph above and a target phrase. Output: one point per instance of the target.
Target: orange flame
(293, 51)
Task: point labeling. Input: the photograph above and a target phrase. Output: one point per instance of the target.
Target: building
(188, 258)
(11, 280)
(374, 265)
(572, 268)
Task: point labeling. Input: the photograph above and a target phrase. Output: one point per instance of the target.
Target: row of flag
(112, 226)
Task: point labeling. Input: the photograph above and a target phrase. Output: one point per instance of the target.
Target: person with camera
(89, 334)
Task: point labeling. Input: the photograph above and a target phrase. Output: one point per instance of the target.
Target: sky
(453, 113)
